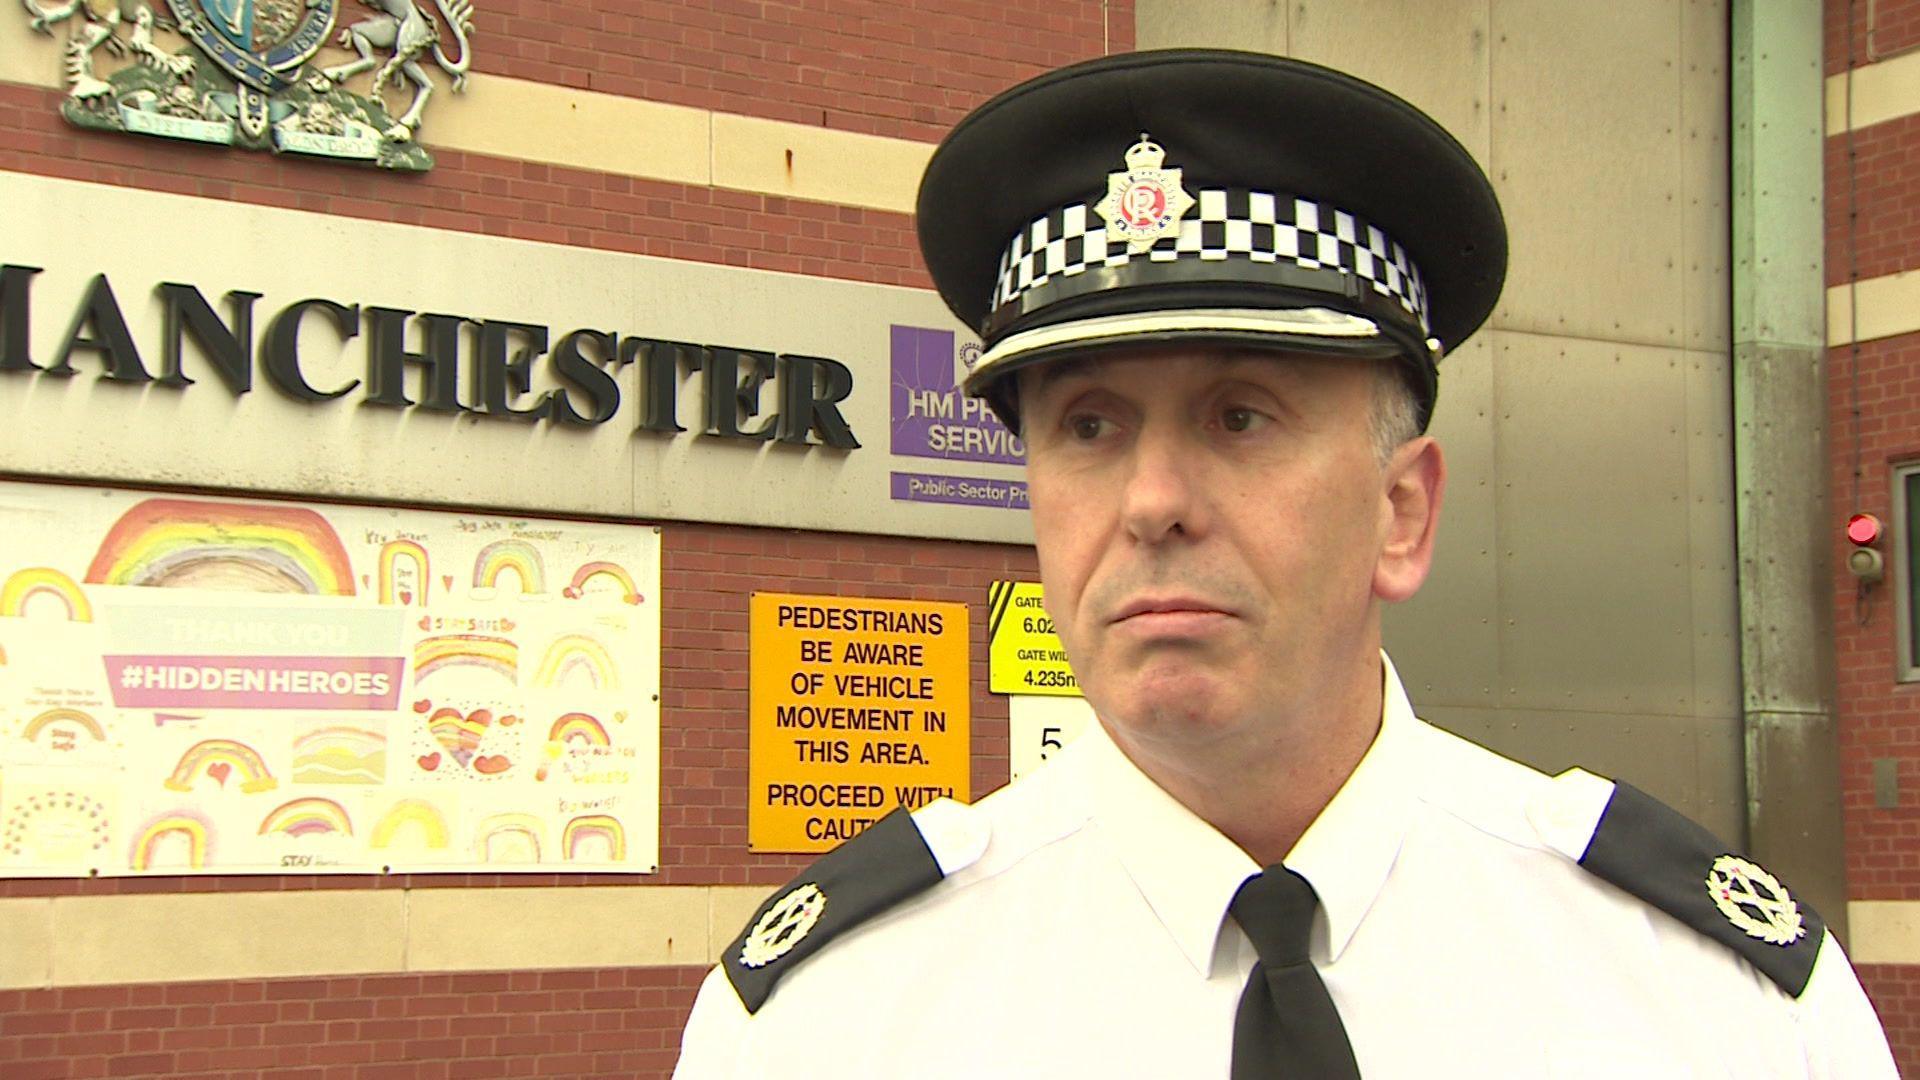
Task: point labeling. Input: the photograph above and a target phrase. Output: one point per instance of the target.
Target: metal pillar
(1780, 459)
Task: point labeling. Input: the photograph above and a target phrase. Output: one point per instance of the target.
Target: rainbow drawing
(415, 815)
(34, 581)
(403, 573)
(611, 573)
(496, 654)
(460, 733)
(572, 654)
(309, 816)
(508, 838)
(340, 755)
(211, 545)
(220, 758)
(156, 835)
(583, 831)
(516, 555)
(51, 717)
(54, 828)
(578, 729)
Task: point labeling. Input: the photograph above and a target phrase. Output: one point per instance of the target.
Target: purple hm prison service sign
(932, 418)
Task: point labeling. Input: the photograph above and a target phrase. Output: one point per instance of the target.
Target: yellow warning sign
(857, 706)
(1023, 654)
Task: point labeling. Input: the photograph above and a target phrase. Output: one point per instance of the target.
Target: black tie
(1287, 1025)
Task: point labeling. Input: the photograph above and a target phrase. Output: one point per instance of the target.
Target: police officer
(1213, 288)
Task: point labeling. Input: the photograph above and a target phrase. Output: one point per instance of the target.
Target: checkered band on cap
(1258, 228)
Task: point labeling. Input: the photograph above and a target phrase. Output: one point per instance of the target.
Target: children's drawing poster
(212, 685)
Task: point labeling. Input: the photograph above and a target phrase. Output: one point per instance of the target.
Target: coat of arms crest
(247, 77)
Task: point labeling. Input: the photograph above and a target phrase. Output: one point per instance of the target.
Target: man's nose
(1159, 499)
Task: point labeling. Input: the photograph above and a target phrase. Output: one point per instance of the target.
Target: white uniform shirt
(1091, 939)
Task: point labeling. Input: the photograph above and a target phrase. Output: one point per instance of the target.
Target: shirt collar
(1188, 871)
(1350, 848)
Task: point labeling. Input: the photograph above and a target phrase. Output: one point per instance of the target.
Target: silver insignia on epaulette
(789, 920)
(1755, 901)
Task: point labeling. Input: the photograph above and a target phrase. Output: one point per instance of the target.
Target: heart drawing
(459, 733)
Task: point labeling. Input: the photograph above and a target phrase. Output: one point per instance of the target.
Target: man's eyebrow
(1049, 374)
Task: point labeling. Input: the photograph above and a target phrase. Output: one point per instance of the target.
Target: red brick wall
(1880, 718)
(1873, 229)
(1895, 990)
(1895, 25)
(905, 69)
(709, 572)
(612, 1023)
(1886, 218)
(477, 193)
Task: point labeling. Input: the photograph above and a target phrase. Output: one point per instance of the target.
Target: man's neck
(1263, 791)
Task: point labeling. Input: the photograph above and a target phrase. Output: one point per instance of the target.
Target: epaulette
(896, 858)
(1634, 841)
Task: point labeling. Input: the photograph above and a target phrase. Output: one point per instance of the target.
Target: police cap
(1213, 195)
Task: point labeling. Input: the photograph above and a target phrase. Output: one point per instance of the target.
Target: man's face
(1209, 522)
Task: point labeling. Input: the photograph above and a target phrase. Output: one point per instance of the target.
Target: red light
(1863, 529)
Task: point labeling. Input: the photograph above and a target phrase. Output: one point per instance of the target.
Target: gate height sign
(858, 706)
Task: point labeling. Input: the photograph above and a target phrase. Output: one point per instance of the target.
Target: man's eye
(1086, 427)
(1234, 419)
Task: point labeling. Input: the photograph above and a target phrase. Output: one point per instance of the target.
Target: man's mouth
(1169, 609)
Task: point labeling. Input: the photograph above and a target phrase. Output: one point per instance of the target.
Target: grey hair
(1395, 417)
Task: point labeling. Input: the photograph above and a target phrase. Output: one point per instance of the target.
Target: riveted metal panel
(1445, 641)
(1216, 24)
(1720, 756)
(1592, 568)
(1706, 296)
(1710, 536)
(1586, 156)
(1435, 54)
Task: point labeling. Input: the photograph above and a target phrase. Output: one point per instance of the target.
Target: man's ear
(1415, 479)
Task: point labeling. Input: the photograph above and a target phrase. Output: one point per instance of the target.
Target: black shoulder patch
(883, 866)
(1659, 855)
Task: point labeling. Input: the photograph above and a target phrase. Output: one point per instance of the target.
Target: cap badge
(1754, 901)
(1144, 202)
(783, 926)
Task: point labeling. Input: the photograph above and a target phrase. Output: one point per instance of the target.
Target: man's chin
(1189, 707)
